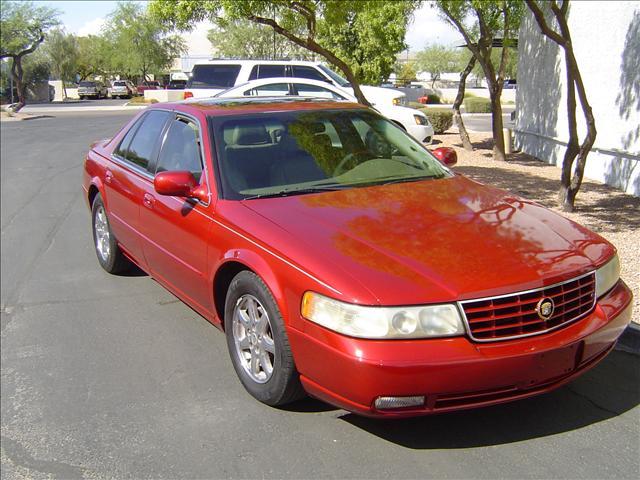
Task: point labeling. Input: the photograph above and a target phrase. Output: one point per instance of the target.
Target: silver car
(122, 89)
(93, 89)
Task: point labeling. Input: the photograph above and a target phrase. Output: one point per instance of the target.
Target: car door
(175, 229)
(127, 177)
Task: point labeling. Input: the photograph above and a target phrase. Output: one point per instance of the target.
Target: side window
(267, 71)
(306, 90)
(307, 72)
(140, 150)
(181, 149)
(272, 89)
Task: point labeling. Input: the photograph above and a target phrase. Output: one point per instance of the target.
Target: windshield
(334, 76)
(292, 153)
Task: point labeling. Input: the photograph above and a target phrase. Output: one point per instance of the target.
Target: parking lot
(113, 377)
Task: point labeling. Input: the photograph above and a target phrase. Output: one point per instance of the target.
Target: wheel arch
(235, 262)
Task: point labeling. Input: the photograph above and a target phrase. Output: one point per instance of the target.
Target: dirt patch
(603, 209)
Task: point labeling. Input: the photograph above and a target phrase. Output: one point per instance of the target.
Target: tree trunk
(464, 136)
(496, 122)
(64, 89)
(16, 71)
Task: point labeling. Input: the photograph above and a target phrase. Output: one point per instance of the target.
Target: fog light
(388, 403)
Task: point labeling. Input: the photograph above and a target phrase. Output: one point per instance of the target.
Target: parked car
(367, 273)
(176, 84)
(123, 89)
(150, 85)
(210, 78)
(412, 121)
(92, 89)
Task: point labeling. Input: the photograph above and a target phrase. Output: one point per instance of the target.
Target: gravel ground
(605, 210)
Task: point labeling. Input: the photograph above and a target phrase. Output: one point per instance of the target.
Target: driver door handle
(148, 200)
(108, 176)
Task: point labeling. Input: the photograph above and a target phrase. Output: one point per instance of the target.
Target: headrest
(250, 134)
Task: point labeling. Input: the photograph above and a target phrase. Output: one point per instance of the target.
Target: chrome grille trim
(467, 325)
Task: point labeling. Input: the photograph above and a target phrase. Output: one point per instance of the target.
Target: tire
(258, 344)
(109, 254)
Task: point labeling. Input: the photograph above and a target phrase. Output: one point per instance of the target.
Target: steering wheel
(340, 168)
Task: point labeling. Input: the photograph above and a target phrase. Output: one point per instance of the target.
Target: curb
(105, 108)
(629, 341)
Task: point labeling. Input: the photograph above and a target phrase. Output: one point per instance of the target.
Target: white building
(606, 41)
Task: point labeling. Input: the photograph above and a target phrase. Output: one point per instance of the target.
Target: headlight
(399, 101)
(421, 120)
(382, 322)
(607, 276)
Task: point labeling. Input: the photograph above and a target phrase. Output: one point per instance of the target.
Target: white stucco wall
(606, 39)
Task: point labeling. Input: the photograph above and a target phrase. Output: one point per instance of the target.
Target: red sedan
(342, 259)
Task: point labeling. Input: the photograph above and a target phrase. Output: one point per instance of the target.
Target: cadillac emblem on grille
(545, 308)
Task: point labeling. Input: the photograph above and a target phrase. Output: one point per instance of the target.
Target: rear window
(87, 84)
(119, 84)
(213, 76)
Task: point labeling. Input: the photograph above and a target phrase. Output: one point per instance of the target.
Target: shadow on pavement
(607, 391)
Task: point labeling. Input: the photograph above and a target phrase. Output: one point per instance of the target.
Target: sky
(87, 17)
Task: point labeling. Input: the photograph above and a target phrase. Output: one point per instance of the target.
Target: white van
(214, 76)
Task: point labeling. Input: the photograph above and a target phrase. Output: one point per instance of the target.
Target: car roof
(253, 62)
(214, 106)
(295, 80)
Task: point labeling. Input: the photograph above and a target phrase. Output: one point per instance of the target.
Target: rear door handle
(148, 200)
(108, 176)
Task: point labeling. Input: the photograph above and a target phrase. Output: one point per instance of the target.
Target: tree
(490, 19)
(139, 43)
(23, 27)
(457, 117)
(94, 55)
(436, 60)
(368, 35)
(569, 183)
(406, 72)
(62, 50)
(353, 35)
(244, 39)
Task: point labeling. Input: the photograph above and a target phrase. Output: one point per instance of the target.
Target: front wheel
(258, 343)
(108, 252)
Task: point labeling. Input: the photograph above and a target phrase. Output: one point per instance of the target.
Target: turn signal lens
(188, 95)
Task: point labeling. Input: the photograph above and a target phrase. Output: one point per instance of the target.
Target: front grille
(515, 315)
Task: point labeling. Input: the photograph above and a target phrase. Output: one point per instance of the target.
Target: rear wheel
(108, 252)
(258, 343)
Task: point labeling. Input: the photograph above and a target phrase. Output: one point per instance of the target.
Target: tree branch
(542, 22)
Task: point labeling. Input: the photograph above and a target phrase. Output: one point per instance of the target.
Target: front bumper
(454, 373)
(422, 133)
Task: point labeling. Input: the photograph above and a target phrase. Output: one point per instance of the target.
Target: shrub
(417, 105)
(141, 99)
(477, 105)
(441, 118)
(433, 99)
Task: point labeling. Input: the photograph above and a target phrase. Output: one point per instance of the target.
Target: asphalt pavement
(112, 377)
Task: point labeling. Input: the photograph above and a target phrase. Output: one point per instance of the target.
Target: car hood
(436, 240)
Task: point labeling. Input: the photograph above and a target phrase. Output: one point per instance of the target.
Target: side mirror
(179, 184)
(446, 155)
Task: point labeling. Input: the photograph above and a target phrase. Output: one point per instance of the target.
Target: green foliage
(477, 105)
(367, 34)
(94, 56)
(360, 37)
(416, 105)
(406, 72)
(242, 38)
(23, 25)
(438, 59)
(138, 43)
(441, 118)
(434, 99)
(62, 51)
